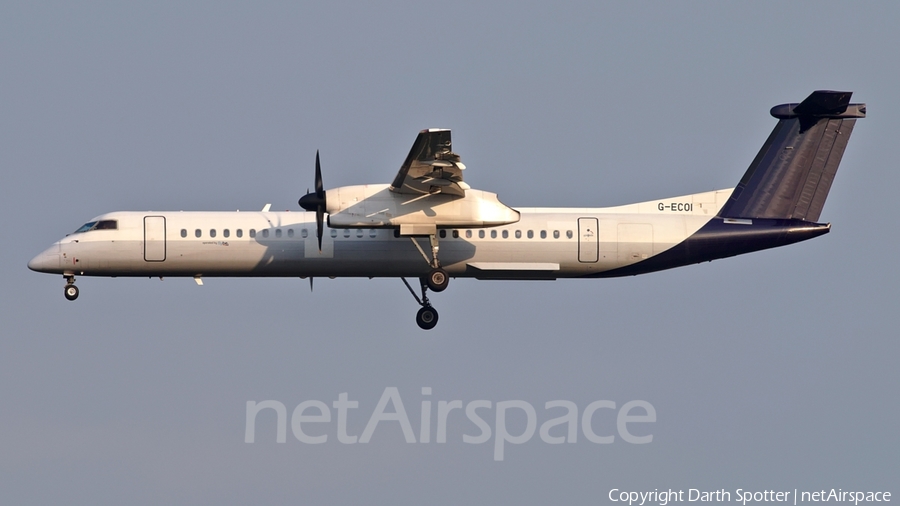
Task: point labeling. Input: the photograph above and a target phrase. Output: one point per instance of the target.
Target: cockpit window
(87, 226)
(99, 225)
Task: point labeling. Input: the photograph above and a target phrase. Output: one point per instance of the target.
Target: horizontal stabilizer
(793, 171)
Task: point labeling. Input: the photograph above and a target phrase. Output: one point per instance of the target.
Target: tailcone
(723, 238)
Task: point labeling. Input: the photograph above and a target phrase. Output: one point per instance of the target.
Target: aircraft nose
(35, 263)
(46, 261)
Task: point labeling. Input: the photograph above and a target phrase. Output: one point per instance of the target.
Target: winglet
(266, 208)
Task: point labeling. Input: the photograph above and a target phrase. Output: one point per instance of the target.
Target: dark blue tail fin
(792, 173)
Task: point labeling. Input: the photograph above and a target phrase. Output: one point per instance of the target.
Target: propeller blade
(320, 191)
(316, 202)
(320, 211)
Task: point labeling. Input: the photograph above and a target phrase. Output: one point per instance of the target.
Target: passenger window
(240, 233)
(212, 232)
(359, 233)
(278, 232)
(265, 233)
(556, 234)
(468, 234)
(456, 234)
(481, 234)
(333, 233)
(197, 233)
(543, 234)
(531, 234)
(290, 232)
(184, 232)
(346, 232)
(518, 234)
(443, 234)
(493, 234)
(226, 233)
(506, 234)
(373, 232)
(304, 234)
(569, 234)
(252, 232)
(396, 233)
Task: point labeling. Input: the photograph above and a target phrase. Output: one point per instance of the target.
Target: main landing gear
(71, 291)
(427, 317)
(436, 279)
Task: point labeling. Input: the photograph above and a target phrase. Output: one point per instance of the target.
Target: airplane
(429, 224)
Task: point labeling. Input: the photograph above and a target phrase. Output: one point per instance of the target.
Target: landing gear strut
(71, 291)
(427, 317)
(437, 279)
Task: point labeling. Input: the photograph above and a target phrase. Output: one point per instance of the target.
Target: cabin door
(588, 240)
(154, 238)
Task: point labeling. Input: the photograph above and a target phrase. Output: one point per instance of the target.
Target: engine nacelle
(375, 206)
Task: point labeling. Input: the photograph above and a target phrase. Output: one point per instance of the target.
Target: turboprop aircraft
(429, 224)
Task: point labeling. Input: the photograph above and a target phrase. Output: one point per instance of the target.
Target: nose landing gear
(70, 291)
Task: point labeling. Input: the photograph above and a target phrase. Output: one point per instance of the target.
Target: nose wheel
(70, 291)
(427, 317)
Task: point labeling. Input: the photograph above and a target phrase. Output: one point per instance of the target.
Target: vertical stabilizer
(793, 171)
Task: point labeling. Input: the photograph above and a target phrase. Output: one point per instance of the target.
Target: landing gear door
(588, 240)
(154, 238)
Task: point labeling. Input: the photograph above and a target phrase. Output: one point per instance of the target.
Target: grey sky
(776, 370)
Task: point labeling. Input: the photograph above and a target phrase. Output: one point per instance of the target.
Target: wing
(431, 167)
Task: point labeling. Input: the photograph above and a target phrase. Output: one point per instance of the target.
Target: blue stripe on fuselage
(722, 238)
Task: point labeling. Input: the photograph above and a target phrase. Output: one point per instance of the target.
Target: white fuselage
(428, 223)
(545, 243)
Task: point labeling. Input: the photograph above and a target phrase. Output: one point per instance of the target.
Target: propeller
(316, 202)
